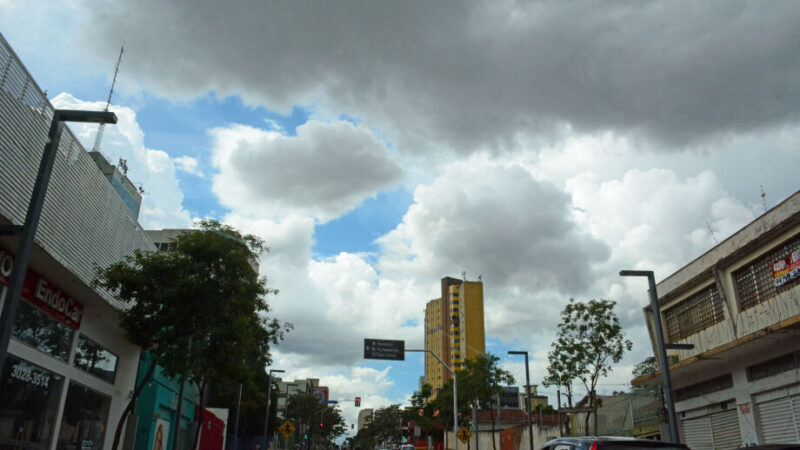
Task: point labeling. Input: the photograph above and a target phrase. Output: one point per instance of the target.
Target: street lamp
(28, 229)
(662, 352)
(269, 389)
(527, 395)
(455, 393)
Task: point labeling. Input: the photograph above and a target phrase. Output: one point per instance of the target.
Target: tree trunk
(132, 402)
(198, 414)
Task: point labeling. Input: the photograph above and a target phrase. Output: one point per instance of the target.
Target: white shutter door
(725, 430)
(796, 408)
(777, 421)
(697, 433)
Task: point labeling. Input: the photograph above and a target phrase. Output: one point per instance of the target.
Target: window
(754, 282)
(774, 366)
(694, 314)
(94, 359)
(704, 387)
(84, 421)
(42, 331)
(29, 397)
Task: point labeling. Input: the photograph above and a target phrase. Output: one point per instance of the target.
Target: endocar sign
(39, 291)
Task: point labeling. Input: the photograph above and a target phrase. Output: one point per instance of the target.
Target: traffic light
(305, 437)
(358, 402)
(321, 425)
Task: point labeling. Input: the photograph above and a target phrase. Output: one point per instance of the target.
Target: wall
(521, 442)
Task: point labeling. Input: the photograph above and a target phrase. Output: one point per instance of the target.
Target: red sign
(39, 291)
(321, 393)
(744, 408)
(786, 269)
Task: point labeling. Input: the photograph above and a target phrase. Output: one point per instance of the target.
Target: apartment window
(774, 366)
(754, 282)
(704, 387)
(694, 314)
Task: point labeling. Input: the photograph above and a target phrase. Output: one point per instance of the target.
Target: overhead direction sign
(384, 349)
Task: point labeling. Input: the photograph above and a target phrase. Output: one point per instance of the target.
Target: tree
(200, 310)
(589, 341)
(307, 409)
(483, 380)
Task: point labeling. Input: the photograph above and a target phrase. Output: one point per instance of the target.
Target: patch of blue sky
(356, 231)
(405, 375)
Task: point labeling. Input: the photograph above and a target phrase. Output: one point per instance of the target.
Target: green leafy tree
(589, 341)
(307, 409)
(483, 380)
(429, 419)
(200, 310)
(646, 367)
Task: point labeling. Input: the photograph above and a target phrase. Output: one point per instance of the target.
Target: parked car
(608, 443)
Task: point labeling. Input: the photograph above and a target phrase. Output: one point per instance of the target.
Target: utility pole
(661, 348)
(527, 396)
(269, 390)
(28, 229)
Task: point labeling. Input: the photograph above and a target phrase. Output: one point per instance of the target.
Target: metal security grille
(694, 314)
(754, 283)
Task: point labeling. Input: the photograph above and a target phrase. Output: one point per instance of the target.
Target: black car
(608, 443)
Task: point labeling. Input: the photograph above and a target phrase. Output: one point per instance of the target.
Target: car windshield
(397, 224)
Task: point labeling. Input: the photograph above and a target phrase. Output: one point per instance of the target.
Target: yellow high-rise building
(453, 328)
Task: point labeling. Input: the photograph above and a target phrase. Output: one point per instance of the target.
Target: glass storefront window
(84, 422)
(94, 359)
(29, 397)
(42, 331)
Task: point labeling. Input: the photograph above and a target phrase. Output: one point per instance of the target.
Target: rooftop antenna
(711, 230)
(102, 127)
(763, 197)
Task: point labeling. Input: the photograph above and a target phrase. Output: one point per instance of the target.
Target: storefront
(68, 371)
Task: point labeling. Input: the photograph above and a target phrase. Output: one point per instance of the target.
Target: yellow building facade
(454, 328)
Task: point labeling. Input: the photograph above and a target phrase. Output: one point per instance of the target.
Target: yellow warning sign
(464, 434)
(287, 429)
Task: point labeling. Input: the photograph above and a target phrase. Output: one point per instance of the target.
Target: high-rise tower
(453, 328)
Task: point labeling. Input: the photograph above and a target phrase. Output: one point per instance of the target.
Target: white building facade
(739, 305)
(69, 370)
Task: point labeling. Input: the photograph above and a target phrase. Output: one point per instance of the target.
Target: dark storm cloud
(471, 75)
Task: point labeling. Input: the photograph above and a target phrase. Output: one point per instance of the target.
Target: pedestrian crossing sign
(464, 434)
(287, 429)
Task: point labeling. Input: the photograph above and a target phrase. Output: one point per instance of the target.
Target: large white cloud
(152, 170)
(324, 171)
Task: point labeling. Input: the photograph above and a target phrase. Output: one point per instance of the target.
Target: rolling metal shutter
(778, 423)
(725, 430)
(697, 433)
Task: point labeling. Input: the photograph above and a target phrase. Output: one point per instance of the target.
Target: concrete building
(288, 388)
(739, 305)
(537, 401)
(70, 370)
(454, 328)
(363, 415)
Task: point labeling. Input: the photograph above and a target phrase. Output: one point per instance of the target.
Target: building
(288, 388)
(120, 182)
(537, 401)
(739, 306)
(454, 328)
(363, 416)
(69, 369)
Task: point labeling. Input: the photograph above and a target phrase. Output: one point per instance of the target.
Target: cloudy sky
(379, 146)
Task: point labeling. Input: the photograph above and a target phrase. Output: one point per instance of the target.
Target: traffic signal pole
(455, 392)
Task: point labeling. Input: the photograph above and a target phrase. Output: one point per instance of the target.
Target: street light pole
(455, 393)
(269, 389)
(662, 351)
(527, 395)
(28, 229)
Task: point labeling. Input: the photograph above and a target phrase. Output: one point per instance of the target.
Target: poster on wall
(786, 269)
(161, 435)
